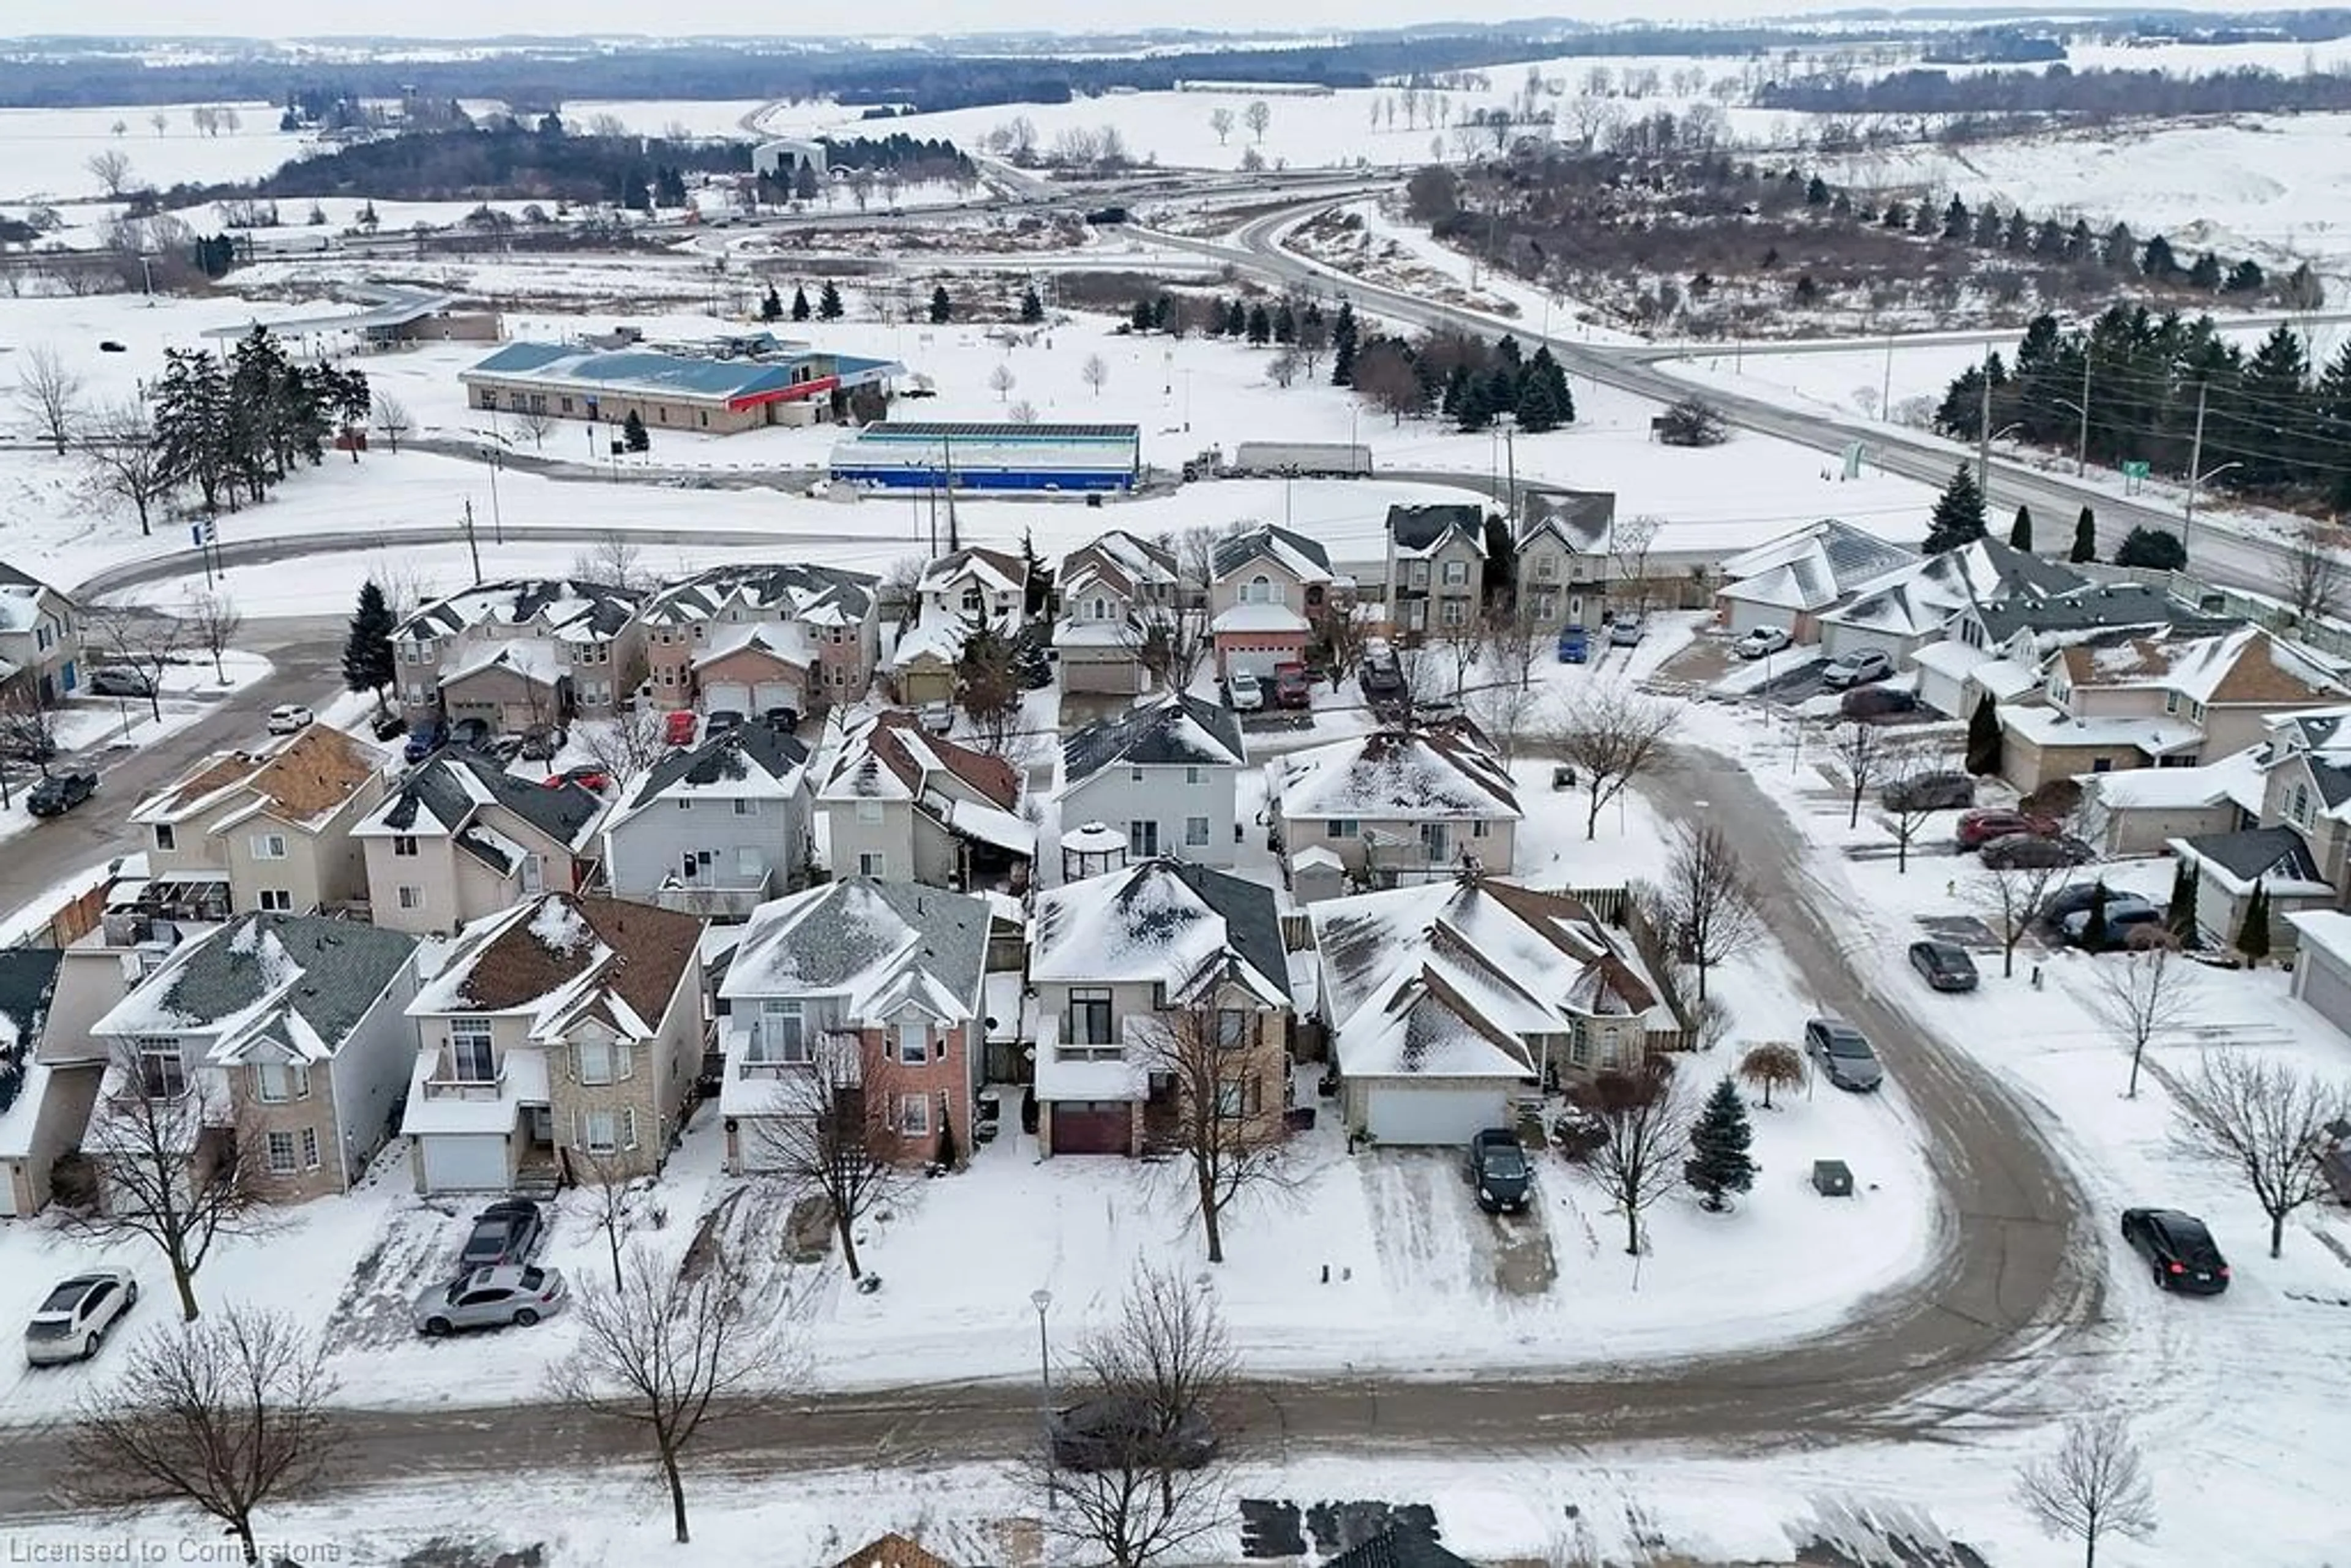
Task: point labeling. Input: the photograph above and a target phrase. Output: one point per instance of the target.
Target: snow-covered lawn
(45, 153)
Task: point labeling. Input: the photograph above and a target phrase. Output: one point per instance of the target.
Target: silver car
(491, 1299)
(74, 1318)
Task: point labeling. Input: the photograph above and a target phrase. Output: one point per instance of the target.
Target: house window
(471, 1057)
(1457, 573)
(913, 1116)
(162, 1073)
(1194, 775)
(601, 1061)
(166, 839)
(281, 1153)
(2171, 702)
(1134, 775)
(747, 807)
(309, 1148)
(1480, 828)
(404, 846)
(1579, 1051)
(749, 864)
(1433, 841)
(1546, 567)
(1259, 590)
(869, 813)
(1344, 828)
(608, 1132)
(277, 899)
(1415, 574)
(1232, 1027)
(1238, 1097)
(1454, 613)
(2101, 764)
(409, 895)
(1196, 832)
(781, 1036)
(2297, 806)
(914, 1044)
(274, 1082)
(874, 864)
(1089, 1014)
(269, 846)
(683, 804)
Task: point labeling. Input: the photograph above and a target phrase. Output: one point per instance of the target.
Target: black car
(1118, 1434)
(782, 720)
(61, 793)
(2072, 899)
(720, 720)
(2178, 1249)
(503, 1233)
(1877, 702)
(1382, 678)
(1498, 1171)
(1943, 966)
(1929, 792)
(540, 742)
(2033, 853)
(387, 727)
(472, 733)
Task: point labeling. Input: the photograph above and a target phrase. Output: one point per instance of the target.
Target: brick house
(1266, 586)
(520, 652)
(756, 638)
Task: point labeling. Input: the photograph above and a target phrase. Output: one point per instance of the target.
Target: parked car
(1762, 641)
(1574, 644)
(1498, 1171)
(503, 1233)
(1877, 702)
(474, 734)
(1290, 687)
(1244, 693)
(387, 727)
(2123, 911)
(1928, 792)
(290, 718)
(120, 681)
(2031, 852)
(1944, 966)
(491, 1299)
(2178, 1249)
(1114, 1433)
(782, 720)
(1842, 1054)
(719, 720)
(589, 776)
(2073, 895)
(423, 741)
(938, 719)
(59, 793)
(677, 728)
(109, 346)
(540, 742)
(1625, 632)
(1857, 669)
(1382, 677)
(1977, 828)
(74, 1319)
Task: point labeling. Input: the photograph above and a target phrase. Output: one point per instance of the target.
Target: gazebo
(1092, 850)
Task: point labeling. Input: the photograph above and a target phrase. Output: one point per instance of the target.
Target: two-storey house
(274, 829)
(1267, 586)
(558, 1041)
(1787, 582)
(717, 829)
(1164, 775)
(754, 638)
(1435, 569)
(1563, 559)
(895, 804)
(40, 639)
(857, 989)
(1140, 971)
(1397, 805)
(1447, 999)
(2296, 845)
(521, 653)
(461, 838)
(956, 594)
(283, 1037)
(1116, 592)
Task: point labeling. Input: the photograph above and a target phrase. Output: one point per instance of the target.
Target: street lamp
(2188, 515)
(1041, 1298)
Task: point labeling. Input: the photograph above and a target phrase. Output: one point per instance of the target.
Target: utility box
(1831, 1179)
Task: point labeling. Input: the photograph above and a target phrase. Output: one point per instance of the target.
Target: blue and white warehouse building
(923, 456)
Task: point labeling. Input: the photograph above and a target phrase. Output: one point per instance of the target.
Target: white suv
(73, 1320)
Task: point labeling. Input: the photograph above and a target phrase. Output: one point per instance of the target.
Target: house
(718, 388)
(1436, 569)
(1997, 646)
(2229, 866)
(1564, 556)
(1130, 969)
(2132, 699)
(1266, 587)
(289, 1031)
(896, 803)
(2140, 810)
(860, 983)
(892, 1550)
(558, 1042)
(1163, 774)
(2322, 965)
(40, 639)
(752, 639)
(1447, 999)
(1909, 607)
(955, 596)
(1399, 803)
(2295, 840)
(275, 830)
(461, 838)
(28, 979)
(716, 831)
(520, 652)
(1111, 590)
(1788, 581)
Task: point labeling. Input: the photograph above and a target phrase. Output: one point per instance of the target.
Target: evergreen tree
(1236, 320)
(1538, 408)
(2276, 436)
(1719, 1161)
(1958, 515)
(800, 303)
(2093, 930)
(632, 434)
(1138, 316)
(2206, 274)
(1261, 325)
(1956, 224)
(2179, 915)
(1816, 192)
(1500, 388)
(1984, 742)
(772, 305)
(367, 650)
(942, 307)
(2253, 934)
(1456, 387)
(1163, 314)
(2156, 261)
(827, 301)
(2020, 532)
(2246, 277)
(1032, 309)
(2156, 548)
(2085, 538)
(1553, 375)
(1506, 354)
(2018, 237)
(1285, 324)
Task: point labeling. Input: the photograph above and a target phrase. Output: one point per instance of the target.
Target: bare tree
(612, 561)
(1905, 802)
(1256, 117)
(625, 745)
(392, 418)
(1138, 1491)
(1709, 898)
(2095, 1485)
(1169, 643)
(49, 390)
(2265, 1120)
(1283, 367)
(1772, 1065)
(535, 423)
(2309, 573)
(1641, 1123)
(1002, 380)
(170, 1171)
(827, 1135)
(1629, 543)
(160, 120)
(112, 170)
(1096, 373)
(1384, 375)
(1511, 642)
(224, 1416)
(1503, 709)
(666, 1347)
(28, 733)
(1462, 642)
(2011, 899)
(1220, 120)
(121, 461)
(1341, 636)
(1022, 412)
(1861, 750)
(144, 642)
(215, 621)
(1612, 735)
(2139, 994)
(612, 1188)
(1228, 1122)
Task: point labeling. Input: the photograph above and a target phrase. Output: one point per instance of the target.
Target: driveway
(1432, 1234)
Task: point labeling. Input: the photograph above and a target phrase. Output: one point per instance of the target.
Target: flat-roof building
(923, 456)
(736, 384)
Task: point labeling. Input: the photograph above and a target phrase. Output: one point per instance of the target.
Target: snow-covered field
(45, 153)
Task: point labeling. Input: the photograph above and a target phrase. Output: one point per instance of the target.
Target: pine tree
(2253, 935)
(367, 650)
(1456, 387)
(1261, 325)
(772, 305)
(1719, 1161)
(1163, 314)
(632, 434)
(1285, 324)
(800, 303)
(1958, 515)
(942, 307)
(2020, 532)
(2085, 538)
(828, 302)
(1538, 408)
(1138, 316)
(1984, 742)
(2093, 930)
(2179, 915)
(1032, 309)
(1344, 334)
(1236, 320)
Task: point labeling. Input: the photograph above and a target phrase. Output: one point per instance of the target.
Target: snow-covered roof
(1415, 532)
(753, 761)
(989, 825)
(2054, 726)
(1812, 567)
(2236, 778)
(1951, 657)
(426, 1113)
(889, 756)
(449, 792)
(1260, 618)
(1180, 730)
(559, 957)
(1444, 772)
(562, 608)
(1163, 922)
(1117, 561)
(2328, 931)
(1123, 1076)
(936, 634)
(2277, 858)
(1920, 597)
(816, 595)
(786, 642)
(874, 944)
(1302, 558)
(2244, 667)
(994, 570)
(533, 658)
(302, 981)
(2005, 679)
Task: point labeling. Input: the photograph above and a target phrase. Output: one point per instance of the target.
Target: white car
(1762, 641)
(290, 718)
(1857, 669)
(74, 1318)
(1244, 693)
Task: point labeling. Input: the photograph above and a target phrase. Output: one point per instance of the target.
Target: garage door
(1089, 1126)
(1435, 1115)
(2318, 980)
(1838, 641)
(8, 1192)
(1257, 661)
(726, 696)
(775, 693)
(464, 1162)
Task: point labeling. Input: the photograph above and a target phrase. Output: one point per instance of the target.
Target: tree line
(2059, 89)
(230, 431)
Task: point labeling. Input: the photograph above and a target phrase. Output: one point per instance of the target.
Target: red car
(678, 728)
(586, 778)
(1977, 828)
(1290, 687)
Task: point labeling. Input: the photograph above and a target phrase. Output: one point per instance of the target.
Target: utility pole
(473, 549)
(2195, 470)
(1885, 391)
(954, 543)
(1983, 434)
(2082, 443)
(1510, 455)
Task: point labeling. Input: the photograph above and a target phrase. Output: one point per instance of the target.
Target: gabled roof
(304, 980)
(1164, 922)
(892, 1550)
(1181, 730)
(1398, 1546)
(2243, 667)
(20, 600)
(890, 757)
(1120, 559)
(532, 658)
(562, 606)
(444, 794)
(206, 783)
(28, 977)
(307, 778)
(1581, 519)
(993, 570)
(2091, 607)
(1425, 530)
(819, 595)
(1442, 772)
(780, 642)
(559, 957)
(1302, 558)
(1812, 567)
(880, 945)
(749, 762)
(2275, 857)
(1921, 597)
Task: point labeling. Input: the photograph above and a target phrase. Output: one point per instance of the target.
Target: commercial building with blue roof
(730, 385)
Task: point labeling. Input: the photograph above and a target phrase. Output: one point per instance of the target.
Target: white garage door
(7, 1193)
(464, 1162)
(1435, 1115)
(2318, 979)
(1743, 615)
(776, 694)
(1838, 641)
(1257, 661)
(726, 696)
